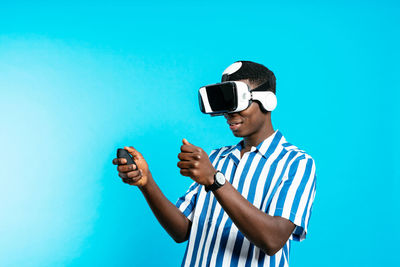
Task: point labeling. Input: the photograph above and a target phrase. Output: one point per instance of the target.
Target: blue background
(78, 80)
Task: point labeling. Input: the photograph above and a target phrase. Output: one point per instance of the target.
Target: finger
(127, 180)
(122, 175)
(134, 174)
(133, 182)
(116, 161)
(185, 141)
(134, 179)
(130, 181)
(135, 154)
(186, 164)
(185, 172)
(188, 148)
(186, 156)
(126, 168)
(119, 161)
(189, 156)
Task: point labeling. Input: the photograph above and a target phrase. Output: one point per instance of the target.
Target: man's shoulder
(296, 151)
(299, 161)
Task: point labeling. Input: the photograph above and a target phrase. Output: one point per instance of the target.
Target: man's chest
(253, 176)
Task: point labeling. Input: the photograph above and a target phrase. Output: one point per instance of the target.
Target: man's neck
(257, 138)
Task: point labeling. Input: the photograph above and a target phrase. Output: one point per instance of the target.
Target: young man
(248, 201)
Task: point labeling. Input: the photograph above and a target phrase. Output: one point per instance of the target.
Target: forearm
(266, 232)
(168, 215)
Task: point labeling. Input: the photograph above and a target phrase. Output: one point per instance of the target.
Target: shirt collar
(265, 148)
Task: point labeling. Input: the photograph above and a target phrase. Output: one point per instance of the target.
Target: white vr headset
(228, 97)
(232, 96)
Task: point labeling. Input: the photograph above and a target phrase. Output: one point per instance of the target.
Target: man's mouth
(234, 125)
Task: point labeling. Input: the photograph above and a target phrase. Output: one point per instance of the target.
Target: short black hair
(257, 74)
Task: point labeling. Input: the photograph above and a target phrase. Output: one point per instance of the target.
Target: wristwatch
(219, 181)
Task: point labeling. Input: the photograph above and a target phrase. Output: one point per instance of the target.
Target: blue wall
(79, 80)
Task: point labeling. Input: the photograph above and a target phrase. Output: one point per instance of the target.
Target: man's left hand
(194, 163)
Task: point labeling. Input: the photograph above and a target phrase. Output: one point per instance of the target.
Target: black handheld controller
(122, 153)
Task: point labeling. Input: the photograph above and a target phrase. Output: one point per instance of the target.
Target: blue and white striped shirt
(276, 177)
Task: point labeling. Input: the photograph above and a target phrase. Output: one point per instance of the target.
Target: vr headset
(228, 97)
(232, 96)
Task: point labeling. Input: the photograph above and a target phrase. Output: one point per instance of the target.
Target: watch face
(220, 178)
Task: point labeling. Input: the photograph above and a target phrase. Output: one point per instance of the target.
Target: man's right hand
(170, 217)
(133, 174)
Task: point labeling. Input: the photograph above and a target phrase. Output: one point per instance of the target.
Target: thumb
(185, 142)
(135, 154)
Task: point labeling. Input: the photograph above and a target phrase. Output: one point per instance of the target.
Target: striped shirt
(276, 177)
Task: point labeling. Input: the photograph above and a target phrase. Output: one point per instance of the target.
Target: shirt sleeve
(187, 202)
(294, 197)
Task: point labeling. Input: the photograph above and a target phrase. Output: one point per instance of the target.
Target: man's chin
(237, 134)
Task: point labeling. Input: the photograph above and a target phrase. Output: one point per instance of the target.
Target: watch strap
(213, 186)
